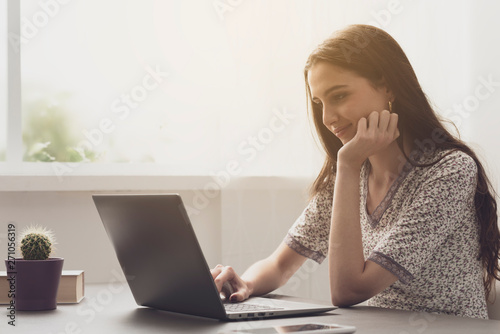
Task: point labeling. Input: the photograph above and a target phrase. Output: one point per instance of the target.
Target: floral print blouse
(425, 232)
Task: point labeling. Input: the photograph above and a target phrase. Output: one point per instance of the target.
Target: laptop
(164, 265)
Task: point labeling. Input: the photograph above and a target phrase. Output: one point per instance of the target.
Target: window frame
(13, 156)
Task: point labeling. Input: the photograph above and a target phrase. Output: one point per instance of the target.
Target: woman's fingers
(374, 133)
(393, 125)
(362, 125)
(237, 297)
(226, 274)
(216, 271)
(384, 120)
(241, 290)
(382, 123)
(229, 284)
(227, 290)
(373, 120)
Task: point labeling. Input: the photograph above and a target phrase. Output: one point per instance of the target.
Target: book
(71, 287)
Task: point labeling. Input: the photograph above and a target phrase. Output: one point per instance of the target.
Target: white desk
(112, 309)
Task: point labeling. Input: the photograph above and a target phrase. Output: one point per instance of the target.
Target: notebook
(165, 268)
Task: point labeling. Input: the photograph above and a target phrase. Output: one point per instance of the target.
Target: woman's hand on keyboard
(231, 286)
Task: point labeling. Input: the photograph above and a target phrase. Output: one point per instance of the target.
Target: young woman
(403, 209)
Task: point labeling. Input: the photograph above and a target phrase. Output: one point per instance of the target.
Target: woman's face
(344, 98)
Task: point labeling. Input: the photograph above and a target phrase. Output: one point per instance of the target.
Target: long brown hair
(373, 54)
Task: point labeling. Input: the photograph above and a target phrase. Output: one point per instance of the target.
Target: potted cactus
(36, 274)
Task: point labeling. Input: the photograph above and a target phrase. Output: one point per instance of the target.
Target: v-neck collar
(377, 214)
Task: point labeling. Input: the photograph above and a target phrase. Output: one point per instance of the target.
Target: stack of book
(71, 287)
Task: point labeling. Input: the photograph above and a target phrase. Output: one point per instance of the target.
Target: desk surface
(110, 308)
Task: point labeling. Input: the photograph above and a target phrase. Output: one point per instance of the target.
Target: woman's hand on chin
(374, 134)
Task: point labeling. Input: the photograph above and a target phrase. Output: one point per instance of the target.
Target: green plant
(37, 243)
(50, 129)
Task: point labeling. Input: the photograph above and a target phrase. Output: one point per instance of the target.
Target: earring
(390, 106)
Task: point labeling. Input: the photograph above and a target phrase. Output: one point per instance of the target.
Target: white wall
(239, 227)
(81, 238)
(485, 55)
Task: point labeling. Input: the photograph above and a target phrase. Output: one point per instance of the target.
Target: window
(164, 83)
(181, 87)
(3, 83)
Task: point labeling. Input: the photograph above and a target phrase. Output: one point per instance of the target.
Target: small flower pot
(36, 283)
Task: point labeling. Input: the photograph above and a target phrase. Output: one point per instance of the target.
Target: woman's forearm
(262, 277)
(346, 260)
(272, 272)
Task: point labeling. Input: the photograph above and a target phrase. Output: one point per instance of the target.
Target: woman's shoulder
(451, 161)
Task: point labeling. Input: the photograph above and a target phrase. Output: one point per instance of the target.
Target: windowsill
(144, 183)
(128, 177)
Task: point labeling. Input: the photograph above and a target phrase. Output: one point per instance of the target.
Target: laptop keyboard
(243, 307)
